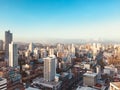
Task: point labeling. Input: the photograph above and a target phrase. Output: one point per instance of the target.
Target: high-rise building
(72, 48)
(36, 52)
(8, 40)
(13, 54)
(43, 53)
(51, 51)
(1, 44)
(49, 68)
(60, 47)
(31, 47)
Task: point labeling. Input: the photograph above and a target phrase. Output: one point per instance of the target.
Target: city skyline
(60, 19)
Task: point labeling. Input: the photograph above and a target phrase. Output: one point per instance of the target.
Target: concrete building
(98, 71)
(31, 88)
(89, 79)
(1, 45)
(31, 47)
(115, 86)
(36, 53)
(69, 59)
(43, 53)
(27, 53)
(60, 47)
(87, 66)
(3, 84)
(49, 68)
(13, 55)
(85, 88)
(51, 51)
(73, 50)
(110, 70)
(52, 85)
(8, 40)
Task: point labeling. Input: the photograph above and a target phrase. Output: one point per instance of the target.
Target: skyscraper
(1, 44)
(31, 47)
(13, 54)
(8, 40)
(51, 51)
(49, 68)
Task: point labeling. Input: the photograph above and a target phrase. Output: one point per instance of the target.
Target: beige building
(115, 86)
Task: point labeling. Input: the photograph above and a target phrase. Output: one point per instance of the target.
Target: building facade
(115, 86)
(1, 45)
(31, 47)
(89, 79)
(3, 84)
(49, 68)
(8, 40)
(13, 55)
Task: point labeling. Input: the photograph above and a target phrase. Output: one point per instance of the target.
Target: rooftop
(85, 88)
(30, 88)
(46, 83)
(90, 74)
(117, 84)
(1, 79)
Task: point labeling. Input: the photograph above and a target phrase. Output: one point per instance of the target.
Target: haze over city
(36, 20)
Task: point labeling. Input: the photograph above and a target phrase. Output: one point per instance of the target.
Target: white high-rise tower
(13, 54)
(31, 47)
(49, 68)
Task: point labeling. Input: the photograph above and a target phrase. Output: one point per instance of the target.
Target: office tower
(49, 68)
(36, 52)
(31, 47)
(60, 47)
(13, 54)
(98, 71)
(27, 53)
(69, 59)
(8, 39)
(43, 53)
(73, 50)
(51, 51)
(1, 44)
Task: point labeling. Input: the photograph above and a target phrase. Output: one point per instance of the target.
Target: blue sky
(64, 19)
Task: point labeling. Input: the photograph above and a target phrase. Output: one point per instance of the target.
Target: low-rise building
(110, 70)
(3, 84)
(31, 88)
(87, 66)
(115, 86)
(85, 88)
(52, 85)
